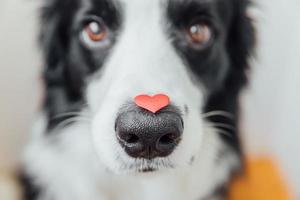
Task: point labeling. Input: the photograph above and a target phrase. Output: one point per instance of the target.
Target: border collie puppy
(100, 137)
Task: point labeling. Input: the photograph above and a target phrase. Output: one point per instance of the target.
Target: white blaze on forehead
(143, 59)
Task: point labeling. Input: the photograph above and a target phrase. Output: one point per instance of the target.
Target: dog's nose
(148, 135)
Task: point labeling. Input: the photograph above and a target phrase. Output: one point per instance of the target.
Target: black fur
(222, 67)
(68, 63)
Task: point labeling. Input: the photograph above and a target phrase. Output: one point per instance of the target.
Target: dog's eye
(94, 34)
(199, 34)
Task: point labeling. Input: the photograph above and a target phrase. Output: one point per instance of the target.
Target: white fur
(66, 167)
(85, 161)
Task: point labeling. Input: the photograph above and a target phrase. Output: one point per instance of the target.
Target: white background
(271, 105)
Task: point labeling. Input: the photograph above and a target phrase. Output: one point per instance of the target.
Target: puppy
(141, 100)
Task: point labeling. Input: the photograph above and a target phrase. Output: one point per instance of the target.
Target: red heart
(152, 103)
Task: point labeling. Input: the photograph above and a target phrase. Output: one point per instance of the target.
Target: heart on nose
(152, 103)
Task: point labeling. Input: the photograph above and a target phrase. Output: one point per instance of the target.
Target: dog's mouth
(147, 166)
(147, 170)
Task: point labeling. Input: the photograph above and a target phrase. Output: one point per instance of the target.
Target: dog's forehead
(161, 3)
(140, 4)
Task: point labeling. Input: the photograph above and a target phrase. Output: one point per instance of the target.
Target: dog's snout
(147, 135)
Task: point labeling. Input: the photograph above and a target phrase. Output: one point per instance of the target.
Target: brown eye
(95, 31)
(94, 34)
(200, 34)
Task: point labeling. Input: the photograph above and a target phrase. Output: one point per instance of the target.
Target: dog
(141, 101)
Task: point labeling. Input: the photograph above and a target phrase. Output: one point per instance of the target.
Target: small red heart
(152, 103)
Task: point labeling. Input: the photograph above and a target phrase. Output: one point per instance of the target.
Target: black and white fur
(74, 154)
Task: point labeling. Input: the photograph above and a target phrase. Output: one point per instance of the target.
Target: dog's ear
(56, 33)
(240, 42)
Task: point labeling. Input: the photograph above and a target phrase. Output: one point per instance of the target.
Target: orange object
(262, 181)
(152, 103)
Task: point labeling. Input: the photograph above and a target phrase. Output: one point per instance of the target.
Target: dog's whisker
(70, 114)
(218, 130)
(69, 121)
(222, 125)
(218, 113)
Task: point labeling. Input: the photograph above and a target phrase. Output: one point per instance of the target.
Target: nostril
(167, 143)
(132, 139)
(167, 139)
(128, 138)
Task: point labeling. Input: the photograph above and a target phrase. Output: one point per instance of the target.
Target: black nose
(148, 135)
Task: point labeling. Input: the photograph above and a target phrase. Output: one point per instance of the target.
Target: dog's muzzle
(149, 135)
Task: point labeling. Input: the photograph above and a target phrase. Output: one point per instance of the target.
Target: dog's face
(107, 52)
